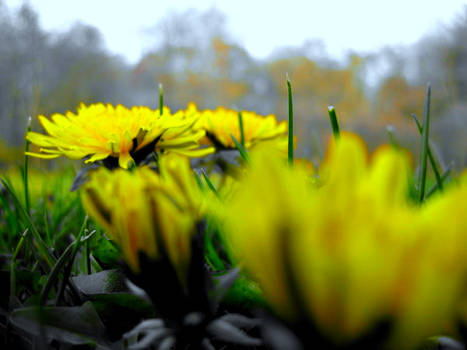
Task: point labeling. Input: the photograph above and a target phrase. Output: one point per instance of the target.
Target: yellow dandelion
(352, 252)
(146, 212)
(221, 123)
(116, 134)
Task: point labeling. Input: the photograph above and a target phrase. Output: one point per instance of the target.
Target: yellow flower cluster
(100, 131)
(352, 251)
(341, 246)
(221, 123)
(146, 212)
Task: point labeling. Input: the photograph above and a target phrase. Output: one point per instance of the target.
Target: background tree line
(197, 60)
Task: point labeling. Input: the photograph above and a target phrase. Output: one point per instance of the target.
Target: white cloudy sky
(361, 25)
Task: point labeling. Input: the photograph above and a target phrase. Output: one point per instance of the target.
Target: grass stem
(425, 138)
(161, 98)
(26, 170)
(240, 125)
(431, 158)
(290, 149)
(334, 122)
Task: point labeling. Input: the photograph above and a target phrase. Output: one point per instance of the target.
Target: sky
(260, 26)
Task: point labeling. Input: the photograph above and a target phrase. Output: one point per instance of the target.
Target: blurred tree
(195, 60)
(44, 73)
(396, 100)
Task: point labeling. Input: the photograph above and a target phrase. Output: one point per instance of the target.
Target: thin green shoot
(67, 272)
(240, 125)
(26, 170)
(38, 242)
(334, 121)
(430, 154)
(54, 273)
(213, 258)
(290, 146)
(13, 264)
(392, 138)
(88, 269)
(161, 98)
(210, 184)
(435, 187)
(48, 238)
(425, 138)
(198, 181)
(241, 149)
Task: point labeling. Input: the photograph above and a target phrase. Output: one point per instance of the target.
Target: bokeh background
(196, 57)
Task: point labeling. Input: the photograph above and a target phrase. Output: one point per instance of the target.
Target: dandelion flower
(146, 212)
(221, 123)
(116, 134)
(352, 252)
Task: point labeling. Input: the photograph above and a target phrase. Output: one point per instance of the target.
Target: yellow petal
(42, 155)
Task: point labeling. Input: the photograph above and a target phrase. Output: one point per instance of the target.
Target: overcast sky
(260, 26)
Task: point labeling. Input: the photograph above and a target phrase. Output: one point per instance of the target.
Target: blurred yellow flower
(221, 123)
(353, 251)
(145, 212)
(101, 131)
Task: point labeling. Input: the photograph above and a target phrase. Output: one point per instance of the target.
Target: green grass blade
(212, 258)
(54, 273)
(95, 264)
(242, 150)
(425, 137)
(69, 266)
(430, 154)
(87, 256)
(11, 221)
(392, 138)
(334, 121)
(26, 171)
(38, 242)
(435, 187)
(161, 98)
(13, 264)
(198, 181)
(19, 245)
(290, 145)
(240, 125)
(48, 238)
(210, 185)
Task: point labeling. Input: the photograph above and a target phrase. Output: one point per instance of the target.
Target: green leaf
(73, 325)
(106, 252)
(120, 312)
(245, 294)
(108, 281)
